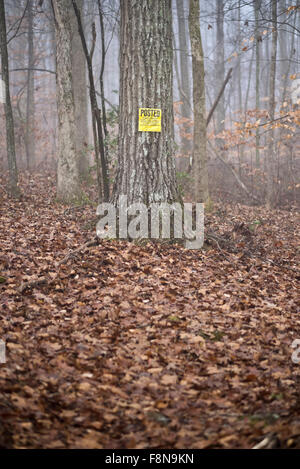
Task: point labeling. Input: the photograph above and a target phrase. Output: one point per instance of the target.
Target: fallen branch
(281, 266)
(271, 441)
(43, 280)
(238, 180)
(32, 283)
(92, 242)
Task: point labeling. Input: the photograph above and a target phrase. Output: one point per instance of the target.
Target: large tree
(10, 135)
(67, 169)
(146, 170)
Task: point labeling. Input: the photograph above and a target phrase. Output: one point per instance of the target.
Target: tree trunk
(290, 53)
(67, 170)
(30, 124)
(10, 135)
(96, 115)
(199, 152)
(80, 94)
(271, 147)
(184, 89)
(257, 5)
(146, 170)
(240, 94)
(282, 41)
(101, 79)
(220, 66)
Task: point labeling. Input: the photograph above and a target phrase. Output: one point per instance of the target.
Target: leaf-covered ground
(146, 346)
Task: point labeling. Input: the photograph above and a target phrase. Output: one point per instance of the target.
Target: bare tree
(257, 5)
(184, 86)
(220, 64)
(30, 107)
(103, 179)
(272, 104)
(200, 173)
(10, 135)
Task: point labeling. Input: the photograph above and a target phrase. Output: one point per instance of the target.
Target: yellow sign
(149, 120)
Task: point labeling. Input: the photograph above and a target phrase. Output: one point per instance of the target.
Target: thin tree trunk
(220, 65)
(30, 107)
(240, 148)
(185, 88)
(103, 55)
(248, 85)
(182, 160)
(266, 60)
(10, 136)
(282, 43)
(257, 6)
(271, 147)
(200, 172)
(292, 52)
(98, 135)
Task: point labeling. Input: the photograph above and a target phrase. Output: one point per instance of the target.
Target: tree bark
(257, 5)
(101, 77)
(96, 115)
(271, 147)
(67, 170)
(200, 172)
(80, 95)
(146, 170)
(240, 148)
(30, 108)
(184, 88)
(10, 135)
(220, 65)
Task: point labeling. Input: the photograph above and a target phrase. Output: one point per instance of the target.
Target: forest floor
(123, 345)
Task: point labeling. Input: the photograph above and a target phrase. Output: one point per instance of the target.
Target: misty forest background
(236, 35)
(122, 343)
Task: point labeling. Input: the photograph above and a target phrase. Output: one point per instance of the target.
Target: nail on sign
(149, 120)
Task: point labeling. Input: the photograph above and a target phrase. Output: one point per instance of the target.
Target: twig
(238, 180)
(24, 69)
(19, 25)
(228, 76)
